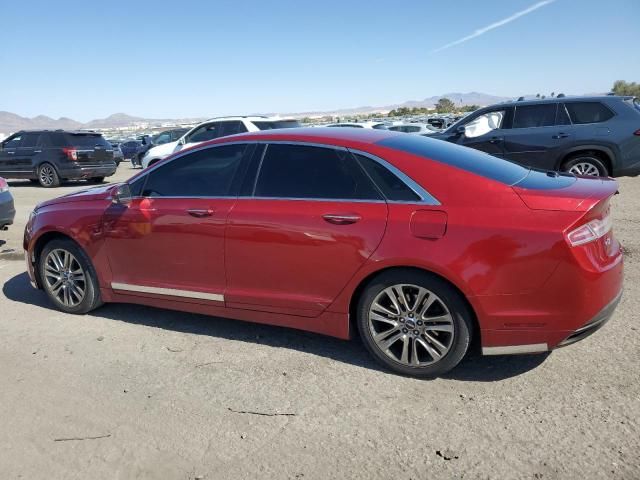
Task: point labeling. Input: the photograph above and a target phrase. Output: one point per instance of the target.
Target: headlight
(32, 216)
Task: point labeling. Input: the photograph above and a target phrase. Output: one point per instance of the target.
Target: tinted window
(163, 138)
(231, 128)
(528, 116)
(464, 158)
(380, 126)
(588, 112)
(562, 117)
(271, 125)
(393, 188)
(14, 142)
(205, 132)
(29, 140)
(86, 140)
(56, 140)
(411, 129)
(206, 173)
(298, 171)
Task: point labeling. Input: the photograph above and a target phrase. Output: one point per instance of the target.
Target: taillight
(590, 231)
(637, 132)
(71, 153)
(4, 187)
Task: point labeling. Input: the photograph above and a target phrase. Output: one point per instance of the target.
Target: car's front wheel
(68, 277)
(414, 323)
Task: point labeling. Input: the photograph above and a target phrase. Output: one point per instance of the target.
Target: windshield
(274, 124)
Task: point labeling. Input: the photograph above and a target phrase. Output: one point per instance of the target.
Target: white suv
(215, 128)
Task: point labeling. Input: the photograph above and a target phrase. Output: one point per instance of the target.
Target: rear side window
(588, 112)
(272, 125)
(393, 188)
(300, 171)
(86, 140)
(468, 159)
(206, 173)
(529, 116)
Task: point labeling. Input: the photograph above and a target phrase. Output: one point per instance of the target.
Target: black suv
(48, 157)
(597, 136)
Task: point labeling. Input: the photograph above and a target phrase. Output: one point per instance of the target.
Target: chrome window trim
(425, 197)
(172, 292)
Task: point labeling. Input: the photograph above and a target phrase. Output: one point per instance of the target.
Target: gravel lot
(135, 392)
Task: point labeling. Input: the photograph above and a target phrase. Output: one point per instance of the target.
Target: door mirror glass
(484, 124)
(121, 194)
(182, 141)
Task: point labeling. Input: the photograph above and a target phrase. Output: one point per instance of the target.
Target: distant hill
(10, 122)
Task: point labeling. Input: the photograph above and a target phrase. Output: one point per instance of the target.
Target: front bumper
(83, 172)
(7, 210)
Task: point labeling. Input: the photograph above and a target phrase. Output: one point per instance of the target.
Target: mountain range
(11, 122)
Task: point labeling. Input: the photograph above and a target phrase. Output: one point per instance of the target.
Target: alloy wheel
(411, 325)
(64, 278)
(585, 168)
(47, 175)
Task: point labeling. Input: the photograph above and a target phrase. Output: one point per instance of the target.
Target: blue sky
(161, 59)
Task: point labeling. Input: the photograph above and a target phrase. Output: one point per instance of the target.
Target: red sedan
(420, 245)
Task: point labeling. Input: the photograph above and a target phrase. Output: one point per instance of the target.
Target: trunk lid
(542, 190)
(91, 149)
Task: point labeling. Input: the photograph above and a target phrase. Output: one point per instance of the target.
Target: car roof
(250, 118)
(567, 98)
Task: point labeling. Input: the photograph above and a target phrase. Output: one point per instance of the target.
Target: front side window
(206, 132)
(205, 173)
(588, 112)
(14, 142)
(531, 116)
(163, 138)
(300, 171)
(484, 124)
(232, 128)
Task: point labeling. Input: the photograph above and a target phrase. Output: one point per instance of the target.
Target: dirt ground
(134, 392)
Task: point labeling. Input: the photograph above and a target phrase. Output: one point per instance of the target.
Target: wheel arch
(604, 153)
(362, 285)
(41, 242)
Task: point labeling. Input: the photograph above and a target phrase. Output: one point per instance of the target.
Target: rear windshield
(272, 125)
(86, 140)
(460, 157)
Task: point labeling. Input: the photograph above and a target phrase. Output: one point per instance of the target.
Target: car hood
(163, 150)
(95, 193)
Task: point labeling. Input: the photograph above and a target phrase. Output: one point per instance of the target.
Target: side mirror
(183, 141)
(121, 194)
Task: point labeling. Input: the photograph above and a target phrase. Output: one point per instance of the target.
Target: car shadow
(474, 367)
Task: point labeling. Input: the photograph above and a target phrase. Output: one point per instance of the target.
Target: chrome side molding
(171, 292)
(515, 349)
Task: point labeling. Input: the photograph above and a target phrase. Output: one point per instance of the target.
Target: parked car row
(419, 245)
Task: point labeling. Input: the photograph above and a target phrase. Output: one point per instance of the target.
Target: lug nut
(416, 332)
(411, 315)
(404, 330)
(402, 320)
(419, 322)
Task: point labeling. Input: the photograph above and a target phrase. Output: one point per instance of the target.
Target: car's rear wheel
(414, 323)
(48, 176)
(68, 277)
(586, 164)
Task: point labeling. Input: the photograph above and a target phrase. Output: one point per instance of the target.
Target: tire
(48, 176)
(56, 266)
(586, 164)
(439, 344)
(96, 179)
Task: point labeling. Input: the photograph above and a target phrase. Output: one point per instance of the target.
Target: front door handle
(341, 218)
(561, 135)
(495, 139)
(200, 213)
(11, 153)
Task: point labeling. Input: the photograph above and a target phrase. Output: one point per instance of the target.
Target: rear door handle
(200, 213)
(561, 135)
(341, 218)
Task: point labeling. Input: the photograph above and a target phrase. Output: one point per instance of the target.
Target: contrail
(483, 30)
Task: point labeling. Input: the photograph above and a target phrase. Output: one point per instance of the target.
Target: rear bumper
(7, 209)
(82, 172)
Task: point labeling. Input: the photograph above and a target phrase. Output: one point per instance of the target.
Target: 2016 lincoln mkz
(419, 245)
